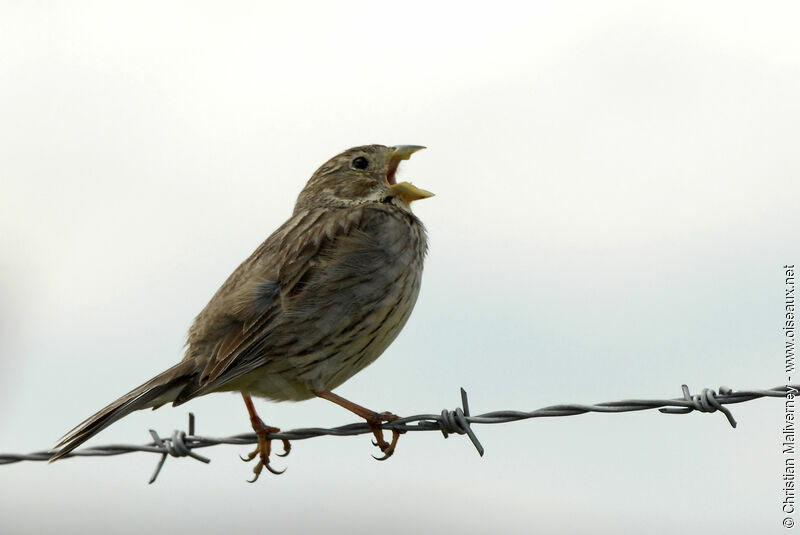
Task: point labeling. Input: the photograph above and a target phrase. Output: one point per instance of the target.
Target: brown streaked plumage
(315, 303)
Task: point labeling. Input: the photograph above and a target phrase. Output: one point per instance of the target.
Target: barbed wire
(458, 421)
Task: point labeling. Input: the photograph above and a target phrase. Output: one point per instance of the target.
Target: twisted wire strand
(457, 421)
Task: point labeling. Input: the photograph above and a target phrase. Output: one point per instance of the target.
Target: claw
(287, 449)
(260, 466)
(274, 471)
(389, 451)
(255, 477)
(250, 456)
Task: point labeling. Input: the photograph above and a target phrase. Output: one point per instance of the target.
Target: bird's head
(359, 175)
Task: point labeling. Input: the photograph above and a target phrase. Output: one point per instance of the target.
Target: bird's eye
(360, 163)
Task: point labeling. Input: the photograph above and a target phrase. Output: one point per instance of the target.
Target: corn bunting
(317, 302)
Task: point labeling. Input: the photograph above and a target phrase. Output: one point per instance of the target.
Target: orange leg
(374, 420)
(264, 446)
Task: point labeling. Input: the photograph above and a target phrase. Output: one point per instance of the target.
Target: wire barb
(703, 402)
(458, 421)
(175, 447)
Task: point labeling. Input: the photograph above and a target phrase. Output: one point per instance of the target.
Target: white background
(616, 194)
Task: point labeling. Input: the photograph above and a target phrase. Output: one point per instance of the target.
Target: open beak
(405, 190)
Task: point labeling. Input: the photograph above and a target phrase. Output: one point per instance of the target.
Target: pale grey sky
(616, 193)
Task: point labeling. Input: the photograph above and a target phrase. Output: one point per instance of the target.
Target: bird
(319, 300)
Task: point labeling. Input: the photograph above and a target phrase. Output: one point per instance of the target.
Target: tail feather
(159, 390)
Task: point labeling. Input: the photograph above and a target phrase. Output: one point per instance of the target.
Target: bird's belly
(342, 355)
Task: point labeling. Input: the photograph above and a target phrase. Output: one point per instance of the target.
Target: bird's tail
(159, 390)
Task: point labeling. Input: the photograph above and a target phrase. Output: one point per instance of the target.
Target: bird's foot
(264, 448)
(374, 422)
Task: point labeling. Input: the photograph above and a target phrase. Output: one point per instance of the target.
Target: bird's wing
(259, 292)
